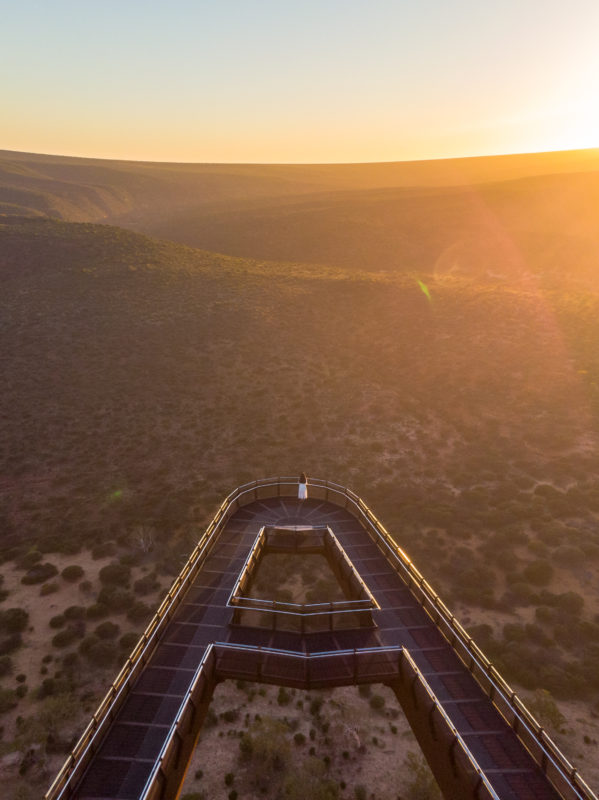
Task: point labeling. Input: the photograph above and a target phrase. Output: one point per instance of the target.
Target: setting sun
(312, 82)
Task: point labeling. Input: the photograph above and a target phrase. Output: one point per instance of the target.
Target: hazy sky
(309, 81)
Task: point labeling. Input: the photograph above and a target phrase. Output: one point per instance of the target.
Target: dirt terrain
(425, 334)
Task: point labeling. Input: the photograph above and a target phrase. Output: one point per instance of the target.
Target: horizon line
(306, 163)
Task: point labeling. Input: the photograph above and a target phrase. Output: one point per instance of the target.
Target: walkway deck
(125, 759)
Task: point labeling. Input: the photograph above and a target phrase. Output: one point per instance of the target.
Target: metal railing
(562, 774)
(328, 544)
(483, 788)
(90, 739)
(316, 670)
(224, 660)
(554, 764)
(203, 681)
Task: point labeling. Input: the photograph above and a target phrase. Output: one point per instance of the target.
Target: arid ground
(425, 334)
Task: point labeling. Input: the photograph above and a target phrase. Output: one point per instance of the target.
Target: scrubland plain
(424, 333)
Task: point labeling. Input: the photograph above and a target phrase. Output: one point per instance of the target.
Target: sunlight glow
(245, 82)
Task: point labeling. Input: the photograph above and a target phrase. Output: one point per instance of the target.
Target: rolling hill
(505, 217)
(170, 375)
(431, 346)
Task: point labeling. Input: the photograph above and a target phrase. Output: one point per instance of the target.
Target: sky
(309, 81)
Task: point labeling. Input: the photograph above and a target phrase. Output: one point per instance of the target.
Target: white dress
(302, 491)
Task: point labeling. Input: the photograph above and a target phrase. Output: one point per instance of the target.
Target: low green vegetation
(147, 379)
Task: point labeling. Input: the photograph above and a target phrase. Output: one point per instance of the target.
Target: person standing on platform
(302, 491)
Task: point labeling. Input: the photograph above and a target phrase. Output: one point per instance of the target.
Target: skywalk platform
(471, 733)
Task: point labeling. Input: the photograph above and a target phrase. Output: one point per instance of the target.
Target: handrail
(168, 742)
(95, 730)
(458, 738)
(538, 736)
(334, 606)
(209, 658)
(92, 735)
(403, 656)
(253, 648)
(539, 740)
(261, 544)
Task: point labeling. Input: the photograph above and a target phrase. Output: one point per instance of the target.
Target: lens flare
(425, 291)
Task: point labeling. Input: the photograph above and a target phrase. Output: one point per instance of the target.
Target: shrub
(8, 700)
(11, 643)
(570, 602)
(5, 665)
(522, 593)
(49, 588)
(70, 661)
(544, 708)
(283, 697)
(97, 611)
(116, 599)
(14, 620)
(65, 637)
(536, 634)
(146, 585)
(267, 747)
(568, 555)
(481, 633)
(74, 612)
(299, 738)
(316, 705)
(100, 653)
(58, 621)
(139, 612)
(87, 643)
(422, 784)
(514, 632)
(539, 572)
(229, 778)
(107, 630)
(30, 559)
(48, 687)
(377, 702)
(39, 573)
(128, 641)
(545, 614)
(72, 573)
(103, 550)
(115, 575)
(130, 559)
(21, 690)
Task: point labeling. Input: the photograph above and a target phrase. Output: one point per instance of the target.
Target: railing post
(541, 735)
(452, 757)
(431, 723)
